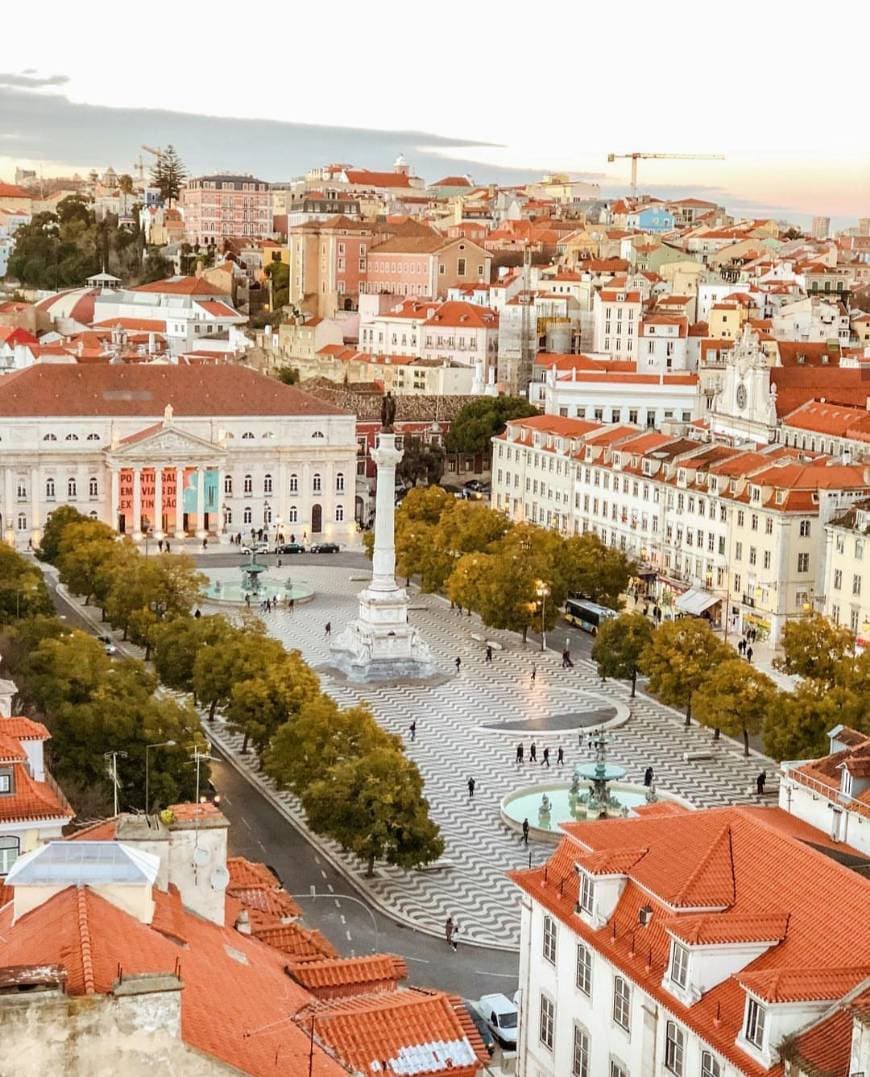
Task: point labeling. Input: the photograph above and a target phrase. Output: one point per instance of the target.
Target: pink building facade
(220, 207)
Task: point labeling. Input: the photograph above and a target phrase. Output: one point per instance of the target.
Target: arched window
(93, 437)
(293, 515)
(339, 513)
(318, 434)
(71, 488)
(246, 516)
(249, 484)
(294, 484)
(228, 517)
(267, 484)
(22, 489)
(49, 488)
(22, 522)
(248, 435)
(268, 435)
(316, 483)
(93, 514)
(228, 484)
(339, 483)
(49, 437)
(267, 514)
(71, 437)
(93, 487)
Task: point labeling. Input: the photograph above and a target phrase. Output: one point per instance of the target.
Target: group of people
(270, 604)
(533, 755)
(744, 647)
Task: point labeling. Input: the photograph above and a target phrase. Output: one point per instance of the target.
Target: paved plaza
(466, 726)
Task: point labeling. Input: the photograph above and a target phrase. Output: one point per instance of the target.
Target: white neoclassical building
(172, 451)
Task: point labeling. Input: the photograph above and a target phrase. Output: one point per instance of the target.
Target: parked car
(256, 547)
(477, 485)
(290, 547)
(482, 1027)
(501, 1014)
(109, 645)
(323, 547)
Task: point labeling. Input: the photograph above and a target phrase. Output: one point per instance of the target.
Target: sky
(504, 92)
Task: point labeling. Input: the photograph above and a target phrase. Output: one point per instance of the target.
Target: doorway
(316, 519)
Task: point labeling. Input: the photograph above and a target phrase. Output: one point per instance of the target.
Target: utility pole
(114, 773)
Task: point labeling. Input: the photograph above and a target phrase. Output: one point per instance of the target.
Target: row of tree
(690, 667)
(516, 576)
(353, 779)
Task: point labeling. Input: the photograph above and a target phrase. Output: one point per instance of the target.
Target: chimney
(243, 923)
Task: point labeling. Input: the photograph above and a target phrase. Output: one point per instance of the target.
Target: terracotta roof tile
(182, 286)
(803, 984)
(352, 972)
(706, 930)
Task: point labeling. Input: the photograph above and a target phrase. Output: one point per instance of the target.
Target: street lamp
(148, 748)
(114, 772)
(542, 590)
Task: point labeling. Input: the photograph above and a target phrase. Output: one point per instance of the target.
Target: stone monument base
(380, 645)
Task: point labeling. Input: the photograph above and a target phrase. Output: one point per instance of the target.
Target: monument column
(200, 503)
(137, 502)
(386, 456)
(179, 502)
(158, 502)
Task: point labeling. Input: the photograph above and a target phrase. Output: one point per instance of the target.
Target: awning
(695, 601)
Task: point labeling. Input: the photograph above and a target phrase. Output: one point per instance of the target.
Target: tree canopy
(735, 698)
(619, 645)
(814, 647)
(480, 420)
(678, 659)
(168, 175)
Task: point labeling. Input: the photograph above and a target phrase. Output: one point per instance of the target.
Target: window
(580, 1055)
(587, 892)
(316, 484)
(768, 525)
(246, 515)
(248, 435)
(755, 1017)
(767, 558)
(339, 483)
(294, 484)
(71, 437)
(339, 514)
(584, 969)
(5, 783)
(710, 1066)
(71, 488)
(22, 490)
(856, 584)
(805, 529)
(460, 267)
(675, 1041)
(22, 522)
(228, 484)
(49, 488)
(550, 939)
(293, 515)
(803, 564)
(93, 487)
(248, 484)
(548, 1022)
(617, 1069)
(267, 484)
(10, 846)
(679, 964)
(622, 1003)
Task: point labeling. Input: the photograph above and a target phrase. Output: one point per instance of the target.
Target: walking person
(205, 544)
(525, 832)
(328, 629)
(534, 672)
(160, 545)
(759, 783)
(450, 931)
(533, 753)
(560, 757)
(166, 547)
(546, 758)
(749, 653)
(488, 655)
(471, 784)
(457, 661)
(520, 751)
(412, 729)
(648, 777)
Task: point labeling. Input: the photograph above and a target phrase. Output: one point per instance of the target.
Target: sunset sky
(530, 87)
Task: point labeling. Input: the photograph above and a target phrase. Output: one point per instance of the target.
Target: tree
(85, 546)
(619, 645)
(22, 589)
(155, 267)
(51, 544)
(168, 175)
(258, 707)
(735, 698)
(679, 657)
(279, 274)
(374, 807)
(178, 640)
(243, 654)
(814, 648)
(422, 461)
(798, 721)
(288, 375)
(599, 572)
(479, 421)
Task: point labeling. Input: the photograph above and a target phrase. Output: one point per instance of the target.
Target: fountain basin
(524, 802)
(230, 592)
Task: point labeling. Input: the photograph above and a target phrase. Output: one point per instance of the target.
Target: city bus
(587, 615)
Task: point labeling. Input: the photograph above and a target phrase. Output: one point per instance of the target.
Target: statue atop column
(388, 413)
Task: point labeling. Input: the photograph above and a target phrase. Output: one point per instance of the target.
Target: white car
(501, 1014)
(257, 547)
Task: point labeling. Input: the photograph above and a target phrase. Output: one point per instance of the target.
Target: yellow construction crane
(635, 157)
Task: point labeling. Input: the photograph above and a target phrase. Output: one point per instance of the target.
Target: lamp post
(114, 773)
(148, 748)
(542, 590)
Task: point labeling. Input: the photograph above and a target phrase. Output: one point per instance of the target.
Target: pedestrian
(205, 543)
(455, 935)
(648, 777)
(457, 661)
(166, 547)
(328, 629)
(279, 562)
(560, 757)
(546, 758)
(449, 931)
(759, 783)
(291, 604)
(198, 614)
(160, 545)
(525, 832)
(741, 646)
(520, 751)
(248, 600)
(471, 784)
(566, 658)
(533, 753)
(749, 653)
(534, 672)
(488, 656)
(412, 729)
(646, 609)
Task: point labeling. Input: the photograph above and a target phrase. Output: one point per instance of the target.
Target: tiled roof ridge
(772, 984)
(85, 940)
(693, 928)
(705, 862)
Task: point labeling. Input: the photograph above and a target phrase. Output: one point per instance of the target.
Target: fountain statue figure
(598, 802)
(251, 573)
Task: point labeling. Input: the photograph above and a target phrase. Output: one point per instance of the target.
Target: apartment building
(616, 314)
(220, 207)
(845, 597)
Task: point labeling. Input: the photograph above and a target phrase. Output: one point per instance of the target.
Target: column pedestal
(380, 644)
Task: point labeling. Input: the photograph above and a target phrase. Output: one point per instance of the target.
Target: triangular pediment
(165, 441)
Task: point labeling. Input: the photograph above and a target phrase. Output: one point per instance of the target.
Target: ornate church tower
(744, 409)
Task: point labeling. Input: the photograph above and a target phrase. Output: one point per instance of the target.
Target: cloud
(29, 80)
(54, 128)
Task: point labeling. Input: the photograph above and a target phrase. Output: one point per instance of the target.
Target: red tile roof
(145, 390)
(805, 984)
(356, 973)
(301, 943)
(824, 1049)
(23, 728)
(708, 930)
(182, 286)
(377, 179)
(10, 190)
(29, 800)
